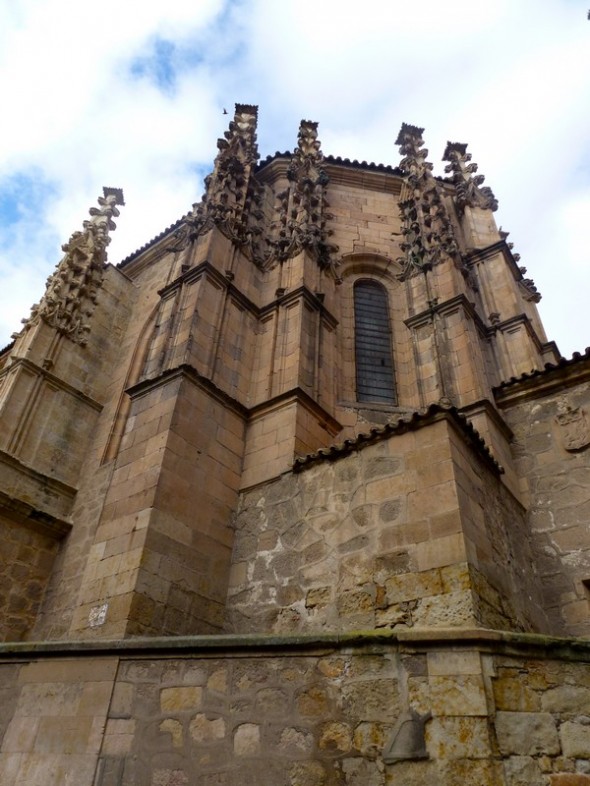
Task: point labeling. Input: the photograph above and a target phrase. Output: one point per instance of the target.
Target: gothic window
(373, 349)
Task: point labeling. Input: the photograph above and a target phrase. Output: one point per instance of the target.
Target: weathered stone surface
(569, 779)
(575, 740)
(523, 771)
(457, 738)
(313, 703)
(295, 741)
(514, 694)
(174, 728)
(247, 739)
(178, 699)
(527, 733)
(566, 698)
(335, 738)
(458, 695)
(359, 772)
(204, 729)
(311, 773)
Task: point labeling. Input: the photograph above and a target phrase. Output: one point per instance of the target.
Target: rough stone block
(523, 771)
(179, 699)
(569, 779)
(570, 699)
(307, 773)
(459, 695)
(205, 728)
(458, 738)
(247, 739)
(527, 733)
(575, 740)
(514, 694)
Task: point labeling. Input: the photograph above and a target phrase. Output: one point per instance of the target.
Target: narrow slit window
(373, 346)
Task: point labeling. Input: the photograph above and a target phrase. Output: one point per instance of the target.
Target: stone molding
(526, 285)
(61, 494)
(301, 397)
(205, 268)
(448, 306)
(408, 640)
(24, 513)
(51, 379)
(186, 371)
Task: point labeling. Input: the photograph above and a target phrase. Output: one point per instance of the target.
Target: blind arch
(375, 380)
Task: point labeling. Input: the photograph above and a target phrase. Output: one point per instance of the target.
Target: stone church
(297, 494)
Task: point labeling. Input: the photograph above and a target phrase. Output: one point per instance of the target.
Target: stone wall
(415, 529)
(484, 710)
(542, 725)
(26, 559)
(552, 453)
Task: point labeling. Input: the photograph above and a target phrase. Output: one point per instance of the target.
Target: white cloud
(511, 79)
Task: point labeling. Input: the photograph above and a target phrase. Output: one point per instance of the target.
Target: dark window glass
(374, 361)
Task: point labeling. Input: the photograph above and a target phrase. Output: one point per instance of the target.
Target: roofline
(565, 373)
(418, 419)
(370, 166)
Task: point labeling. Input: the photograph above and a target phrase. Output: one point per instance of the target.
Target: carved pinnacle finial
(227, 187)
(116, 192)
(428, 234)
(468, 185)
(414, 164)
(71, 294)
(246, 109)
(302, 206)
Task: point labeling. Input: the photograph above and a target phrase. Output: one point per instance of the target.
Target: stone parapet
(487, 707)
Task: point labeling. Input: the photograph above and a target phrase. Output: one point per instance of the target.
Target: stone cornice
(186, 371)
(29, 515)
(44, 481)
(301, 397)
(507, 325)
(53, 380)
(283, 298)
(500, 247)
(34, 498)
(484, 406)
(484, 640)
(459, 301)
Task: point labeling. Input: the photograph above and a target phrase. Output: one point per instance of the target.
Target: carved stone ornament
(574, 426)
(302, 206)
(468, 186)
(529, 290)
(71, 293)
(408, 740)
(426, 226)
(232, 199)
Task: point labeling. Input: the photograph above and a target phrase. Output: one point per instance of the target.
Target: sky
(132, 95)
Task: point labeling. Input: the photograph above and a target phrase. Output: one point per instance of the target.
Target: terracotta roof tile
(401, 425)
(155, 239)
(577, 357)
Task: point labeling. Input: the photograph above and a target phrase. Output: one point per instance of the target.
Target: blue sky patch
(22, 196)
(159, 65)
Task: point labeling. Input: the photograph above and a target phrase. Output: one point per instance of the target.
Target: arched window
(373, 350)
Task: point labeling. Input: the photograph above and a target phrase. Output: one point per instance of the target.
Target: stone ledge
(482, 639)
